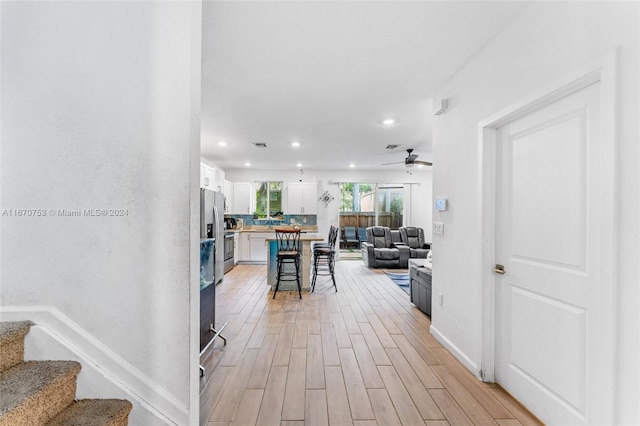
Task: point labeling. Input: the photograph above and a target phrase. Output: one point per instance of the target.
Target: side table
(420, 284)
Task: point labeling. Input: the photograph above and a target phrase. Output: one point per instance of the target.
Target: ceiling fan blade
(397, 162)
(424, 163)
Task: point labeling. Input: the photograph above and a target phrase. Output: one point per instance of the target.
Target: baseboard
(69, 337)
(464, 359)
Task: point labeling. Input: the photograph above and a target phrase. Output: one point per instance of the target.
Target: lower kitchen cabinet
(236, 248)
(253, 246)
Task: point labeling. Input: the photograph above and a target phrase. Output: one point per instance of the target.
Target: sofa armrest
(405, 255)
(367, 254)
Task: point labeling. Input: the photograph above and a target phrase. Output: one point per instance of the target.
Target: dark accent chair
(362, 235)
(414, 238)
(379, 251)
(349, 237)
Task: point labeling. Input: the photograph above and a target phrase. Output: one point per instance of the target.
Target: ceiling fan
(411, 160)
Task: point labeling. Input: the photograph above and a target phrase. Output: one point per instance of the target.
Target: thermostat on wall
(441, 204)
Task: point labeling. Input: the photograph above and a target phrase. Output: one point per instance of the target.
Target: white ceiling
(325, 73)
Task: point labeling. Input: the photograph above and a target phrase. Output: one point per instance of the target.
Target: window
(268, 199)
(369, 204)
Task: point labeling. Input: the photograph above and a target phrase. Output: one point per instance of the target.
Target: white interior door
(548, 188)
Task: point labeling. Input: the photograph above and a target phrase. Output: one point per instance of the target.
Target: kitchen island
(306, 240)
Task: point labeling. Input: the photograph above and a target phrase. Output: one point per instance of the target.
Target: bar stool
(324, 258)
(288, 246)
(327, 243)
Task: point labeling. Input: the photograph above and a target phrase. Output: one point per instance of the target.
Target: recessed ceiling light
(247, 164)
(299, 165)
(352, 165)
(222, 143)
(389, 121)
(295, 144)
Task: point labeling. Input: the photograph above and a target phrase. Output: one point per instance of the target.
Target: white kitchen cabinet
(252, 246)
(227, 190)
(236, 248)
(242, 198)
(206, 176)
(302, 198)
(258, 246)
(244, 247)
(218, 179)
(211, 178)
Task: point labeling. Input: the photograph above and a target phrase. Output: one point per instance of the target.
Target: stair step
(94, 412)
(34, 392)
(12, 342)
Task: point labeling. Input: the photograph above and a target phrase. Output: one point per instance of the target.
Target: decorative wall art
(326, 198)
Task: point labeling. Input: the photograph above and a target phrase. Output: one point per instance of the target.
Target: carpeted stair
(36, 393)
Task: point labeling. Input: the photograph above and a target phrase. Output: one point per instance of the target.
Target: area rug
(401, 279)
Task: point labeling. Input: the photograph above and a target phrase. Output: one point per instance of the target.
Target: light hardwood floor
(362, 356)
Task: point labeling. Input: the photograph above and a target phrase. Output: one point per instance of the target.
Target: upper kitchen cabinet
(302, 198)
(207, 176)
(242, 198)
(219, 180)
(211, 178)
(228, 192)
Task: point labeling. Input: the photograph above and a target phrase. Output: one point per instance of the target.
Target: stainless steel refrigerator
(212, 226)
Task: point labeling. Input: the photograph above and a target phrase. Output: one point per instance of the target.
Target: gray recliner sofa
(379, 251)
(414, 238)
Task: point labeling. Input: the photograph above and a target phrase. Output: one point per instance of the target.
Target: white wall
(548, 40)
(100, 111)
(330, 215)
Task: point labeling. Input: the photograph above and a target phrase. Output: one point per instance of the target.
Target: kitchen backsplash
(287, 219)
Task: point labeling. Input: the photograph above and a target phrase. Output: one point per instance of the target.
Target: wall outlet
(440, 299)
(438, 228)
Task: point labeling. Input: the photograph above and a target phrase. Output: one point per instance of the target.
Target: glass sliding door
(371, 204)
(389, 205)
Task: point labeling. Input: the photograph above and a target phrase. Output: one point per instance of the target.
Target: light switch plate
(438, 228)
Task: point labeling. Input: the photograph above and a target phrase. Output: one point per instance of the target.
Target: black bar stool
(324, 258)
(328, 243)
(288, 246)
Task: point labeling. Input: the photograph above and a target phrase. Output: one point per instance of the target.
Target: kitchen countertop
(266, 229)
(309, 236)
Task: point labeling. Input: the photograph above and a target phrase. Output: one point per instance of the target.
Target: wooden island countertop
(304, 236)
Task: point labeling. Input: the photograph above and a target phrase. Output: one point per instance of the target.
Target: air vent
(392, 146)
(259, 144)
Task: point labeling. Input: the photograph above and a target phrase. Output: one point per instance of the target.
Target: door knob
(499, 269)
